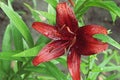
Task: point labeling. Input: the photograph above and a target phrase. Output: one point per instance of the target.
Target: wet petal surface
(73, 61)
(65, 18)
(51, 51)
(47, 30)
(86, 44)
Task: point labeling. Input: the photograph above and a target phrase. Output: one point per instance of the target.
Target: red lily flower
(66, 35)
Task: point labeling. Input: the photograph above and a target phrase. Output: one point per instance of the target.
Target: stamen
(67, 51)
(73, 41)
(69, 30)
(62, 27)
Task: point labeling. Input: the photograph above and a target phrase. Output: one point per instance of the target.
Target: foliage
(15, 62)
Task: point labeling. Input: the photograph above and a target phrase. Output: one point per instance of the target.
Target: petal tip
(34, 24)
(35, 62)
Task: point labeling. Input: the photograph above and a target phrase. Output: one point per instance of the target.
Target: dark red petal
(90, 48)
(50, 51)
(73, 61)
(47, 30)
(88, 45)
(65, 18)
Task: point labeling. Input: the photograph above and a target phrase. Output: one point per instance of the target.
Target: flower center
(71, 44)
(70, 30)
(67, 29)
(73, 40)
(74, 37)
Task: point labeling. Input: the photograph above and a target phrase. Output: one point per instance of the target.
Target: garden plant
(64, 40)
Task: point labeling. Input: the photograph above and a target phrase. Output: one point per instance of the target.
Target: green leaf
(51, 18)
(106, 60)
(6, 42)
(81, 12)
(79, 5)
(80, 8)
(6, 46)
(18, 40)
(46, 78)
(48, 69)
(7, 55)
(114, 16)
(50, 15)
(51, 10)
(42, 39)
(105, 69)
(30, 52)
(94, 75)
(55, 71)
(62, 60)
(34, 3)
(92, 61)
(9, 4)
(34, 13)
(105, 38)
(113, 76)
(109, 5)
(39, 69)
(84, 68)
(19, 23)
(52, 2)
(117, 56)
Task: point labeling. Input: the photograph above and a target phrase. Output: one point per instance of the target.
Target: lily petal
(73, 61)
(86, 33)
(50, 51)
(47, 30)
(90, 48)
(65, 18)
(88, 45)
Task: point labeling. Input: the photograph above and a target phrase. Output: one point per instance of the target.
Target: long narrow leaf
(105, 38)
(95, 74)
(79, 5)
(6, 43)
(6, 46)
(52, 2)
(33, 11)
(7, 55)
(18, 40)
(19, 23)
(42, 39)
(39, 69)
(51, 18)
(106, 69)
(30, 52)
(109, 5)
(55, 71)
